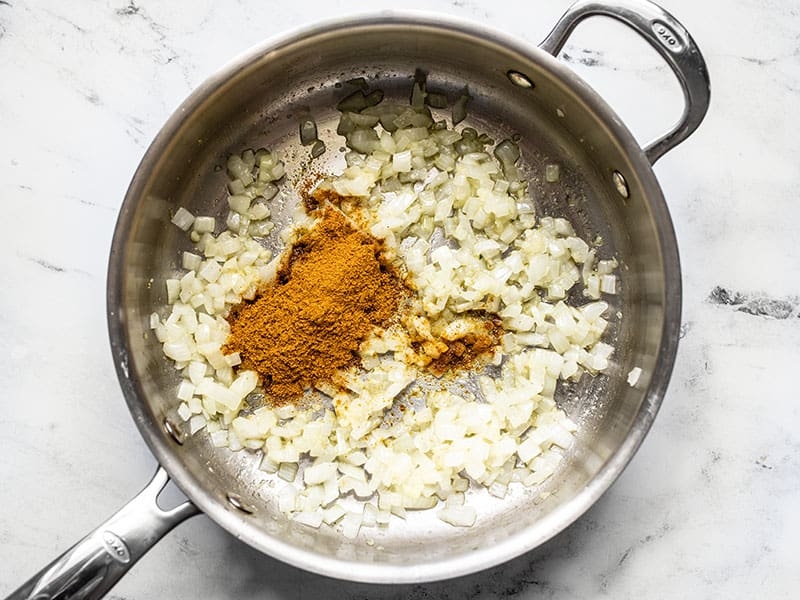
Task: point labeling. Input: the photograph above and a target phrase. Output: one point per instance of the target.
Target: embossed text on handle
(667, 37)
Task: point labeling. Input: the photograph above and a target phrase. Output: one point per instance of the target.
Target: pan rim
(376, 572)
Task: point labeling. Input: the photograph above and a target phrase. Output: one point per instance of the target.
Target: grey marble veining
(707, 508)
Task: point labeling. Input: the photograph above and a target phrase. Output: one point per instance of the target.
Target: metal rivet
(519, 79)
(174, 432)
(620, 184)
(236, 502)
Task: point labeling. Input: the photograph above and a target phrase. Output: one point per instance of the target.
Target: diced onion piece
(319, 473)
(219, 438)
(191, 261)
(239, 203)
(436, 100)
(552, 173)
(183, 219)
(288, 471)
(310, 518)
(318, 149)
(460, 108)
(350, 524)
(633, 376)
(184, 412)
(363, 140)
(185, 390)
(373, 98)
(355, 102)
(458, 516)
(608, 284)
(507, 152)
(401, 161)
(308, 132)
(204, 224)
(177, 351)
(210, 271)
(196, 423)
(333, 513)
(173, 290)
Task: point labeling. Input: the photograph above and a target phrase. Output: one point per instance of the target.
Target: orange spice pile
(465, 351)
(333, 290)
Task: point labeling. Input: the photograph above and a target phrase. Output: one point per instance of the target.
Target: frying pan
(607, 189)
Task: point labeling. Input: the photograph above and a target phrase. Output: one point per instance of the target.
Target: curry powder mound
(333, 290)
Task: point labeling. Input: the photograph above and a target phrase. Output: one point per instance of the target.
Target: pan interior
(258, 102)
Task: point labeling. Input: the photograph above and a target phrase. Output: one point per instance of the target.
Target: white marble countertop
(708, 508)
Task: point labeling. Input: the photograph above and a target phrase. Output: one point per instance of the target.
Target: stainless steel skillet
(607, 188)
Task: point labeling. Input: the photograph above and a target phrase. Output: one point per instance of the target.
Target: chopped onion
(190, 261)
(634, 375)
(288, 471)
(333, 513)
(183, 218)
(363, 140)
(239, 203)
(196, 423)
(308, 132)
(350, 524)
(507, 152)
(436, 100)
(184, 412)
(552, 173)
(310, 518)
(402, 161)
(185, 390)
(460, 107)
(318, 149)
(458, 215)
(608, 284)
(418, 95)
(352, 103)
(204, 224)
(458, 516)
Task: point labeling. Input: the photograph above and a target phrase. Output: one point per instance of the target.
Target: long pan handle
(669, 38)
(92, 566)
